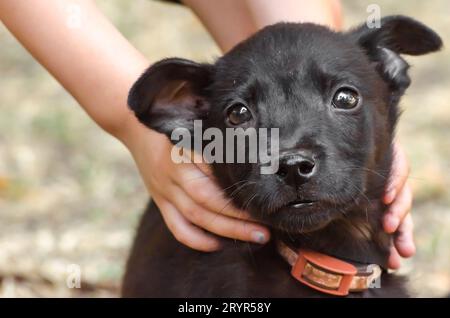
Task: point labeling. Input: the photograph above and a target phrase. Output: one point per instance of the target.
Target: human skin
(94, 57)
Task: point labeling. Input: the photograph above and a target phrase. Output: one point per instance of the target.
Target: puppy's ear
(171, 94)
(396, 35)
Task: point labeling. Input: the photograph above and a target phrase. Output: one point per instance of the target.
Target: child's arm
(97, 65)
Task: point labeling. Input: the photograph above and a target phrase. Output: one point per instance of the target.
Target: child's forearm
(231, 21)
(82, 50)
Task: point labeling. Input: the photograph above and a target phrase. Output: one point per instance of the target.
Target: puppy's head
(333, 97)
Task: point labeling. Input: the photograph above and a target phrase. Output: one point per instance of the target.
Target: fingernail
(392, 223)
(258, 237)
(389, 197)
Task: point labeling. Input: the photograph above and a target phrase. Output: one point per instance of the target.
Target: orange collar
(329, 274)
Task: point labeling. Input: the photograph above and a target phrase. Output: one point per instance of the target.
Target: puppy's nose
(297, 168)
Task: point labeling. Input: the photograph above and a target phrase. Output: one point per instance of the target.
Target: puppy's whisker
(247, 203)
(197, 178)
(379, 173)
(230, 200)
(234, 184)
(365, 169)
(235, 193)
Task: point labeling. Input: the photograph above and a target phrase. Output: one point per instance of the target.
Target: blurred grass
(64, 200)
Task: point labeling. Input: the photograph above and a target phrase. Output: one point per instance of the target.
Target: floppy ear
(171, 94)
(396, 35)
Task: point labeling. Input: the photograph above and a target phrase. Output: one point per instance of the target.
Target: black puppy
(334, 98)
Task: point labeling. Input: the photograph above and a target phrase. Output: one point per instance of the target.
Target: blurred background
(70, 194)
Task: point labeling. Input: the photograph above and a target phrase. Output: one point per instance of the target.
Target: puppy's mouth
(299, 204)
(302, 215)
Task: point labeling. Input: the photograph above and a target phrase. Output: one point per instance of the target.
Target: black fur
(286, 74)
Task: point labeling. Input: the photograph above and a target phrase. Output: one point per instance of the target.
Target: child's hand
(190, 202)
(397, 219)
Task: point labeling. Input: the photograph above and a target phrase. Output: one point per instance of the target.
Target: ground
(67, 201)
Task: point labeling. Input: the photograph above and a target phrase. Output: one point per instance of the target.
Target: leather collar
(328, 274)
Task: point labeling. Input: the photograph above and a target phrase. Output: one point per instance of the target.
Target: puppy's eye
(345, 98)
(238, 114)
